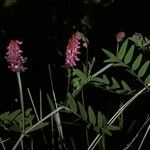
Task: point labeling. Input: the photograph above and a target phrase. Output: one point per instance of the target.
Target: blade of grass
(57, 115)
(145, 135)
(41, 111)
(2, 143)
(33, 105)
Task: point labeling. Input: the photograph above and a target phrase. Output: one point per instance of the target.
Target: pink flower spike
(120, 36)
(73, 48)
(14, 57)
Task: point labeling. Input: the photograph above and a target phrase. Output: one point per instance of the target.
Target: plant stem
(68, 85)
(21, 100)
(57, 115)
(86, 62)
(34, 108)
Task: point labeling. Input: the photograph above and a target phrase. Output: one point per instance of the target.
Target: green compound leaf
(82, 111)
(122, 50)
(143, 69)
(92, 117)
(100, 119)
(72, 103)
(147, 80)
(137, 62)
(129, 55)
(112, 57)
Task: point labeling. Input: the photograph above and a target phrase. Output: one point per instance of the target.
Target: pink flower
(73, 48)
(120, 36)
(14, 57)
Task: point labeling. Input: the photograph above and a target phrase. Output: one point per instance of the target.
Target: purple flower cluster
(14, 57)
(73, 48)
(120, 36)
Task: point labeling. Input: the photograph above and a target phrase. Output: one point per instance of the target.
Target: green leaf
(122, 50)
(143, 69)
(115, 84)
(113, 128)
(28, 111)
(100, 119)
(18, 118)
(137, 62)
(110, 61)
(52, 107)
(147, 80)
(105, 79)
(82, 111)
(72, 103)
(29, 119)
(40, 126)
(104, 121)
(99, 80)
(120, 65)
(80, 74)
(15, 127)
(110, 55)
(4, 115)
(92, 117)
(106, 131)
(146, 41)
(91, 66)
(121, 91)
(129, 55)
(13, 115)
(76, 82)
(125, 85)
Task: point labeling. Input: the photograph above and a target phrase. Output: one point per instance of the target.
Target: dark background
(45, 26)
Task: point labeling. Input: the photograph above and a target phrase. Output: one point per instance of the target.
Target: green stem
(68, 86)
(86, 62)
(21, 100)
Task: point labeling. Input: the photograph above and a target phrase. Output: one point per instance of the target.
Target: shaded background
(45, 26)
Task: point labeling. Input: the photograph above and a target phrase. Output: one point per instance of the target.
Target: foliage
(129, 58)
